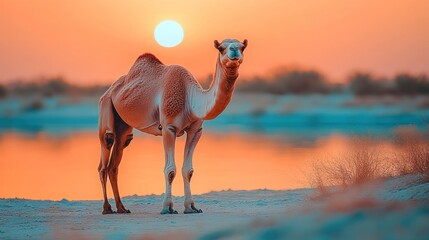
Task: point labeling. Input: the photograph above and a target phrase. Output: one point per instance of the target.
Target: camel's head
(231, 52)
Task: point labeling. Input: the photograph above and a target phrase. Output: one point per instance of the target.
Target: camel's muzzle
(234, 63)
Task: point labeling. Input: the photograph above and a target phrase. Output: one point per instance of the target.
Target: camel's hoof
(123, 211)
(168, 211)
(108, 211)
(192, 210)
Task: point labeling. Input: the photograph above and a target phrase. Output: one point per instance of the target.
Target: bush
(416, 157)
(362, 163)
(413, 156)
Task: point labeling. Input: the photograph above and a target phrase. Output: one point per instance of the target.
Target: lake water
(41, 166)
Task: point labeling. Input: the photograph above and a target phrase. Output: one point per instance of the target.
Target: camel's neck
(208, 104)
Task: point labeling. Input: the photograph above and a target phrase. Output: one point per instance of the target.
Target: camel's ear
(218, 45)
(245, 43)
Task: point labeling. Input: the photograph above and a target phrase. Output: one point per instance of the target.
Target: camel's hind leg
(123, 136)
(106, 135)
(102, 169)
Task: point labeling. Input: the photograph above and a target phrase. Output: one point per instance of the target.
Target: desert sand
(394, 208)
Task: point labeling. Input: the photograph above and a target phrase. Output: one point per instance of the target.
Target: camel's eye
(221, 48)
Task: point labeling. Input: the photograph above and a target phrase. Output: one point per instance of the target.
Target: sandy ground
(397, 208)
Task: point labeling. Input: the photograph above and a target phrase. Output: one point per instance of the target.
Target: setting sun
(168, 33)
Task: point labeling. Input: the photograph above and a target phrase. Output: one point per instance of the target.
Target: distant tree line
(48, 88)
(311, 82)
(401, 84)
(286, 81)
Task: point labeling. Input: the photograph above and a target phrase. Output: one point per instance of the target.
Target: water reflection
(50, 167)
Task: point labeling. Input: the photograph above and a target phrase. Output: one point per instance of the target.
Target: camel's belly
(141, 117)
(156, 129)
(153, 129)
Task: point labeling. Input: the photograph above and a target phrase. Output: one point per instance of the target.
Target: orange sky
(91, 42)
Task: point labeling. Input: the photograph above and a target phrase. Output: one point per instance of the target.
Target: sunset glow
(96, 42)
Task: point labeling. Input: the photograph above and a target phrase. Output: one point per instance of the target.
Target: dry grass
(413, 154)
(363, 162)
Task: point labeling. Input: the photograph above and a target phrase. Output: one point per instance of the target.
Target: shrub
(362, 163)
(413, 156)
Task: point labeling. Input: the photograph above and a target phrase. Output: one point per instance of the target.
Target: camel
(163, 101)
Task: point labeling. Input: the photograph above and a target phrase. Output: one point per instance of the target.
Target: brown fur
(227, 88)
(149, 57)
(174, 95)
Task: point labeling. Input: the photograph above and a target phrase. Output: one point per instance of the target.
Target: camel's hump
(148, 57)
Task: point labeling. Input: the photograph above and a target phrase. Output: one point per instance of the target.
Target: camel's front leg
(193, 135)
(169, 139)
